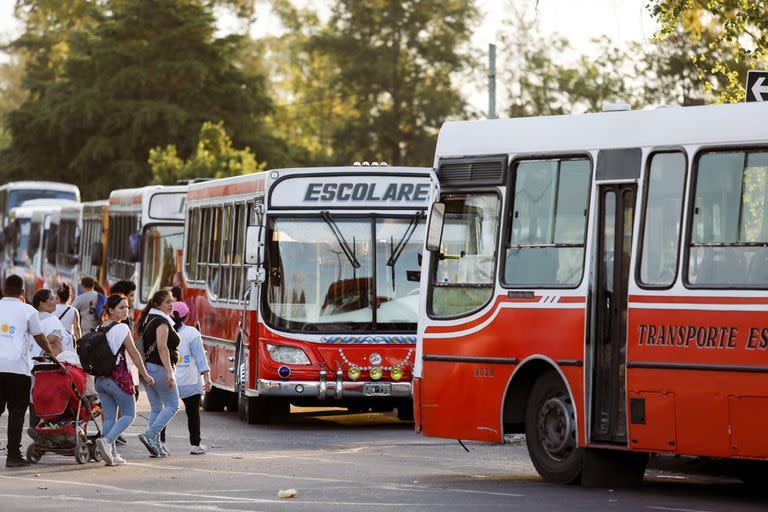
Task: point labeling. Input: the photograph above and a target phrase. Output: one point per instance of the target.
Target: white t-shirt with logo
(18, 324)
(116, 336)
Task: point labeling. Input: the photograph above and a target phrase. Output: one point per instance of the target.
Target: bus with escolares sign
(304, 284)
(599, 283)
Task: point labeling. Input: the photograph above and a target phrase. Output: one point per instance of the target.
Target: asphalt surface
(334, 461)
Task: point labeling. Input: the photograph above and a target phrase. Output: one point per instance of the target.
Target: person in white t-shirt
(68, 315)
(193, 375)
(116, 391)
(19, 323)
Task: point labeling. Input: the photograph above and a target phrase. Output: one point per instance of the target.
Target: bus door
(609, 338)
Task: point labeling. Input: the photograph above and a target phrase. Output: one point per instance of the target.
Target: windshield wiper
(348, 252)
(397, 250)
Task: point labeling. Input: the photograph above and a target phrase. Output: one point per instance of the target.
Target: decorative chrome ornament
(375, 358)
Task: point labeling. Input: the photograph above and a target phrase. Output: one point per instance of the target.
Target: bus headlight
(353, 372)
(396, 373)
(287, 355)
(376, 373)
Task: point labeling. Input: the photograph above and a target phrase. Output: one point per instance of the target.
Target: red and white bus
(144, 242)
(600, 283)
(304, 284)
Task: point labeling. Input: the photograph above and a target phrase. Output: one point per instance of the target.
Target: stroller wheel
(82, 453)
(96, 453)
(34, 453)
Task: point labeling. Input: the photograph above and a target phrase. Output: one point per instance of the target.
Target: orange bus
(599, 283)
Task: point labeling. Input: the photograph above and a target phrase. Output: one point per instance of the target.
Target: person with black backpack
(115, 387)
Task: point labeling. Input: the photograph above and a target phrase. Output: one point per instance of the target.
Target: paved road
(362, 462)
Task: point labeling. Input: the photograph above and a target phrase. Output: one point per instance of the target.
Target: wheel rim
(556, 426)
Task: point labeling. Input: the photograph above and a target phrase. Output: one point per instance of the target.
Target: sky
(578, 20)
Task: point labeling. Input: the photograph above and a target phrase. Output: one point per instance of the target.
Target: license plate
(377, 389)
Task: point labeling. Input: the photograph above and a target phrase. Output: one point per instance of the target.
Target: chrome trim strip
(349, 389)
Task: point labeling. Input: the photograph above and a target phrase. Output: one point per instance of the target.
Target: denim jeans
(164, 402)
(112, 398)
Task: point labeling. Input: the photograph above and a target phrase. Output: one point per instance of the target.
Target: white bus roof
(72, 211)
(257, 182)
(155, 203)
(50, 185)
(671, 126)
(34, 203)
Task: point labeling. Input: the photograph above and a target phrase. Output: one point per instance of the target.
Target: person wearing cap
(193, 375)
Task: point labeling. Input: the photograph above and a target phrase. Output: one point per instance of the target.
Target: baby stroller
(59, 400)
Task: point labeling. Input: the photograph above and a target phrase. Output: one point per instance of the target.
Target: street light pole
(491, 81)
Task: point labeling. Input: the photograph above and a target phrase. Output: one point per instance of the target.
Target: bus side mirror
(97, 250)
(134, 248)
(435, 228)
(254, 249)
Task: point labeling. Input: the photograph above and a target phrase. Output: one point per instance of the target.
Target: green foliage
(215, 157)
(392, 74)
(545, 76)
(738, 28)
(147, 73)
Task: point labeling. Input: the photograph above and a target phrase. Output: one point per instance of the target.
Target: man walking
(85, 303)
(19, 323)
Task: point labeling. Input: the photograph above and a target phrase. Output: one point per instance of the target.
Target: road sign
(757, 86)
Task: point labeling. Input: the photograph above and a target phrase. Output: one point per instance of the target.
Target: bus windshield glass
(21, 233)
(464, 272)
(16, 197)
(343, 274)
(161, 248)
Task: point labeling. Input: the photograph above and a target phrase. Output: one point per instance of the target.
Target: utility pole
(491, 81)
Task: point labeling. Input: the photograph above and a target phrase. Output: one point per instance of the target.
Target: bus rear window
(729, 231)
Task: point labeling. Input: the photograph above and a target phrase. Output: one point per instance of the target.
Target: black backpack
(96, 357)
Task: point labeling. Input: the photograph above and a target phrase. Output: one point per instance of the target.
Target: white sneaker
(106, 451)
(199, 449)
(119, 461)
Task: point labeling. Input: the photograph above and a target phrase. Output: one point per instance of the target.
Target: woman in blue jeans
(116, 391)
(161, 344)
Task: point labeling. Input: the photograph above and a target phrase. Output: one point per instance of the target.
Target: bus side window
(729, 239)
(661, 226)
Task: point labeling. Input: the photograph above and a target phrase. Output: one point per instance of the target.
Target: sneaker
(150, 444)
(164, 452)
(119, 461)
(120, 440)
(106, 451)
(199, 449)
(16, 462)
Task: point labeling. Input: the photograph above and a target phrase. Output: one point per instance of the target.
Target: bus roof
(35, 203)
(669, 126)
(72, 211)
(149, 203)
(255, 182)
(51, 185)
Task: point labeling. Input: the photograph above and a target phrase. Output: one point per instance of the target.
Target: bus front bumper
(334, 390)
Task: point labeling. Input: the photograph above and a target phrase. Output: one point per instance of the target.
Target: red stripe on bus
(697, 300)
(234, 189)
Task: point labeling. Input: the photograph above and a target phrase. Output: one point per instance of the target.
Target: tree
(738, 27)
(12, 94)
(395, 65)
(148, 73)
(215, 157)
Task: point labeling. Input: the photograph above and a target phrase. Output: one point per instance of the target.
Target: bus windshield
(338, 274)
(161, 247)
(16, 197)
(20, 253)
(464, 273)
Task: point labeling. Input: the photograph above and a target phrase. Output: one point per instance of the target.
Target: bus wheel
(550, 430)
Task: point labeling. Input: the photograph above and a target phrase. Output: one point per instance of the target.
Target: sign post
(757, 86)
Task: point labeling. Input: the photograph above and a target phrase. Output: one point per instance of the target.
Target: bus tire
(550, 431)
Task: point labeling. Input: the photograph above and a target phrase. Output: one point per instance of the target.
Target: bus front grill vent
(475, 172)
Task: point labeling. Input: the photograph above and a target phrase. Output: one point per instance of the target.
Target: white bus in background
(67, 255)
(31, 243)
(15, 193)
(93, 241)
(146, 233)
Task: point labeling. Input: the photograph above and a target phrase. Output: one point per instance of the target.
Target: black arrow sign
(757, 86)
